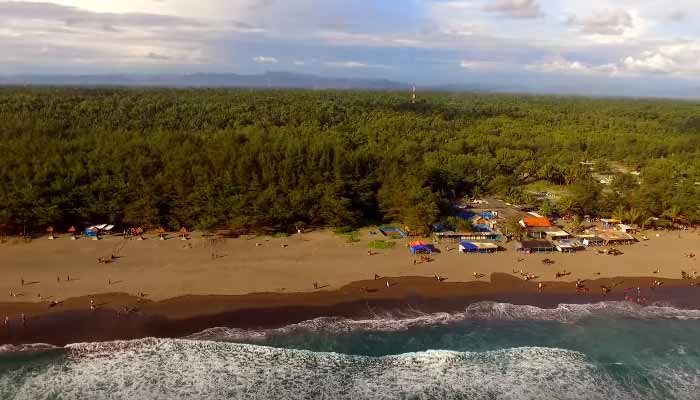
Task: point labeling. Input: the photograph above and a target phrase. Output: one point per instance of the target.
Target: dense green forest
(210, 158)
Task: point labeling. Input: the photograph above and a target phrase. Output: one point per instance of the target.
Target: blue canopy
(421, 248)
(469, 247)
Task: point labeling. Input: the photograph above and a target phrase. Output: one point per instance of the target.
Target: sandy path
(166, 269)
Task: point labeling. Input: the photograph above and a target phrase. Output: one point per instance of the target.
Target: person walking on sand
(315, 285)
(24, 320)
(540, 287)
(388, 284)
(7, 322)
(22, 281)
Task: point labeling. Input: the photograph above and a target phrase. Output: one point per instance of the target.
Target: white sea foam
(564, 313)
(26, 348)
(576, 312)
(187, 369)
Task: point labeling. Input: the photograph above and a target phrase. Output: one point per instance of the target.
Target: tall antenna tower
(413, 96)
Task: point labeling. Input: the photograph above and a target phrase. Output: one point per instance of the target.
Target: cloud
(265, 60)
(299, 63)
(103, 38)
(156, 56)
(605, 22)
(677, 15)
(563, 66)
(352, 64)
(479, 64)
(515, 8)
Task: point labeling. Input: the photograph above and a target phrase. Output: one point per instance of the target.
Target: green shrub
(381, 245)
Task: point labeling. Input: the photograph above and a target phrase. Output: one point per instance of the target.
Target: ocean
(609, 350)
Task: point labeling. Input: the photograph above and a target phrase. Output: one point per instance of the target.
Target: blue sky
(644, 47)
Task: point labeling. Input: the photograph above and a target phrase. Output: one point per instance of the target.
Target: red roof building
(535, 222)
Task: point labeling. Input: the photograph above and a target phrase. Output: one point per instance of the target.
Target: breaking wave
(177, 369)
(564, 313)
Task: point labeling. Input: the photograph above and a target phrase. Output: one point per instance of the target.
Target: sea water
(610, 350)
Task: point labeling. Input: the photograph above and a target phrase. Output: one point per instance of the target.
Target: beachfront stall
(535, 246)
(456, 237)
(614, 237)
(631, 229)
(591, 240)
(609, 223)
(568, 245)
(477, 247)
(551, 233)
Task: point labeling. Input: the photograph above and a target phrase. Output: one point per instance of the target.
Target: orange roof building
(535, 222)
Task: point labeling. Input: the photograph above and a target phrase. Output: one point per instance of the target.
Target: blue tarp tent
(422, 248)
(468, 247)
(90, 233)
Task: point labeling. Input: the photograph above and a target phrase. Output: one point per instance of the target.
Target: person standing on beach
(7, 322)
(24, 320)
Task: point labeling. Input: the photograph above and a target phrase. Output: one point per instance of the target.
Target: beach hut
(50, 231)
(609, 223)
(614, 237)
(534, 246)
(183, 233)
(72, 231)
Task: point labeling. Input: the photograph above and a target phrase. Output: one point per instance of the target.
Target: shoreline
(73, 321)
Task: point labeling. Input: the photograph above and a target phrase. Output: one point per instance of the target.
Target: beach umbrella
(183, 233)
(161, 232)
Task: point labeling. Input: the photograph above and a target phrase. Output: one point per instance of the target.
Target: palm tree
(619, 213)
(634, 215)
(566, 205)
(674, 213)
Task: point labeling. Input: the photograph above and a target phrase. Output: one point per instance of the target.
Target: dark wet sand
(73, 321)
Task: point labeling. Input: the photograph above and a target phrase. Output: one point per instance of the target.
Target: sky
(637, 47)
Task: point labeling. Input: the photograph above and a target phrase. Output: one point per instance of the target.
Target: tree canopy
(206, 158)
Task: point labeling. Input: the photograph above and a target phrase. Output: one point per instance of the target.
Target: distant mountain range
(291, 80)
(266, 80)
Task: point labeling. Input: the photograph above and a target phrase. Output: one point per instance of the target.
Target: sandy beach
(173, 268)
(174, 288)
